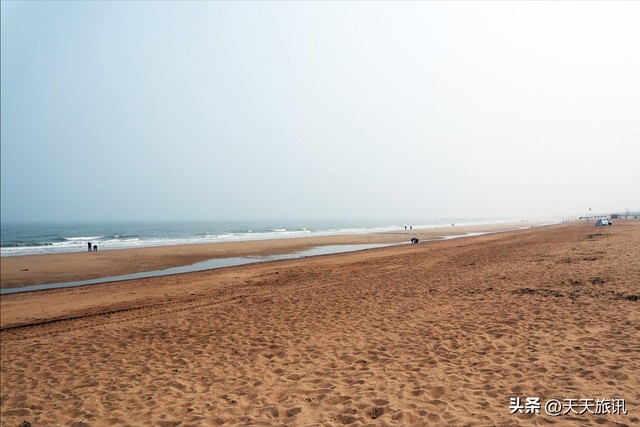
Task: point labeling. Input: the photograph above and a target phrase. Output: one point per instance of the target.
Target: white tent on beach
(602, 221)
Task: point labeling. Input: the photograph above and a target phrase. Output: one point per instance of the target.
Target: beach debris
(24, 424)
(596, 280)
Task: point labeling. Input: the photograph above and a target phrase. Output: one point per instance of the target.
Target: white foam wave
(82, 238)
(79, 243)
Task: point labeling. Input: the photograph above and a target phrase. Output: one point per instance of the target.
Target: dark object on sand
(25, 424)
(414, 240)
(375, 412)
(603, 221)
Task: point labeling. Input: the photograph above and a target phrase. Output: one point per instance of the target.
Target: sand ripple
(435, 334)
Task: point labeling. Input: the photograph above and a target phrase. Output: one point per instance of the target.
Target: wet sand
(19, 271)
(439, 333)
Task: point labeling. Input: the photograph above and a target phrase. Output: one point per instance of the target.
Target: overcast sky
(261, 110)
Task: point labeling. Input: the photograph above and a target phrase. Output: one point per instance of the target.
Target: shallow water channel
(201, 266)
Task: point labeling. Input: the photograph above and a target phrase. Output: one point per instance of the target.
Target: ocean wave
(121, 237)
(81, 238)
(26, 244)
(145, 235)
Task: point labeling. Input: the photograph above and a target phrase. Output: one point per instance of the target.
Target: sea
(22, 238)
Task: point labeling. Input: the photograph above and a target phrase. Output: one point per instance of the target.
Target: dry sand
(440, 333)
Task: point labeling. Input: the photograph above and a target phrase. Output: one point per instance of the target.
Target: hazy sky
(290, 110)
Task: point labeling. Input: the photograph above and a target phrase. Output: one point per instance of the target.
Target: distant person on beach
(89, 244)
(95, 248)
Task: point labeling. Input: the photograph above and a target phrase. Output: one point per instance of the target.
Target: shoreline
(42, 239)
(28, 270)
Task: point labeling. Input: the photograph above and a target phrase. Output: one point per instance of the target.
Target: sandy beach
(19, 271)
(444, 332)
